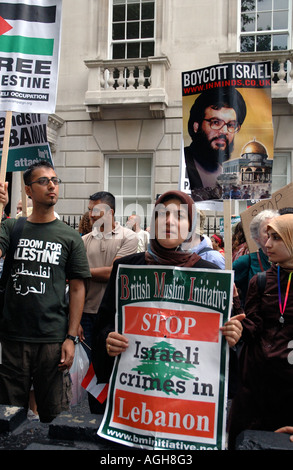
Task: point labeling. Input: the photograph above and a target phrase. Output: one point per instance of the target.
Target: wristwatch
(75, 339)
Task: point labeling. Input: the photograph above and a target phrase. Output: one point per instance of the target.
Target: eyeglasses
(44, 181)
(217, 124)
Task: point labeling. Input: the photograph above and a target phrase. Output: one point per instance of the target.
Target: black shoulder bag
(261, 281)
(14, 238)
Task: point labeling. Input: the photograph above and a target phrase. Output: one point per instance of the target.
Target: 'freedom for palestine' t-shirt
(35, 308)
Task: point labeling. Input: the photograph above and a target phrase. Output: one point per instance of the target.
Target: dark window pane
(263, 5)
(118, 51)
(148, 11)
(133, 21)
(281, 20)
(263, 43)
(247, 5)
(248, 22)
(147, 29)
(264, 21)
(281, 5)
(247, 44)
(132, 50)
(119, 13)
(133, 30)
(133, 11)
(118, 31)
(280, 42)
(147, 49)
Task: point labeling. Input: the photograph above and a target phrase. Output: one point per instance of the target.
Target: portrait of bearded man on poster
(215, 118)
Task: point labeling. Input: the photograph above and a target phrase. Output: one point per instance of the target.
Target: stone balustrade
(281, 67)
(142, 82)
(129, 81)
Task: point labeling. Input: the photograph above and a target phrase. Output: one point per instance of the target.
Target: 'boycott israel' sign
(29, 55)
(168, 389)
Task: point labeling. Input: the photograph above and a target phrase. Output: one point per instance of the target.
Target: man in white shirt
(134, 223)
(107, 241)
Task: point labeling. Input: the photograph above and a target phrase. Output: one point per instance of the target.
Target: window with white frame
(133, 29)
(129, 179)
(281, 175)
(265, 25)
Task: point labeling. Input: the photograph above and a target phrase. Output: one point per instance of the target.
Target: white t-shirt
(143, 240)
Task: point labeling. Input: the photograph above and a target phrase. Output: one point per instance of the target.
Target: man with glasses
(38, 331)
(215, 118)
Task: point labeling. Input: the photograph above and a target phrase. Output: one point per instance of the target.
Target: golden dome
(254, 147)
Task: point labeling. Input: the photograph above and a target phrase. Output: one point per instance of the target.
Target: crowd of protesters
(40, 325)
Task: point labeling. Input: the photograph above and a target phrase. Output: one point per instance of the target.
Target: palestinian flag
(27, 28)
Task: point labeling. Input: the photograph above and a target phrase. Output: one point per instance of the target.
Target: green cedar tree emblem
(160, 367)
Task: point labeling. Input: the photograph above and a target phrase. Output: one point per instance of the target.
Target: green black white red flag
(29, 55)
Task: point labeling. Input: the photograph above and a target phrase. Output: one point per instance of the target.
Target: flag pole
(23, 197)
(5, 151)
(227, 233)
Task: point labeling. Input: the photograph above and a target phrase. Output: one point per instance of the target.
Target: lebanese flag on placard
(89, 383)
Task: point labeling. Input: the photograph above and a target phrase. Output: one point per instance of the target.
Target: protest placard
(168, 389)
(227, 131)
(29, 55)
(280, 199)
(28, 140)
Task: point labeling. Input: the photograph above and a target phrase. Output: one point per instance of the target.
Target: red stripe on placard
(160, 322)
(164, 414)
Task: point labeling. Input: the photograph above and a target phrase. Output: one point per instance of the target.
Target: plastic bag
(77, 371)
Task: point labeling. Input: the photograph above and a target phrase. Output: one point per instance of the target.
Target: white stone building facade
(118, 120)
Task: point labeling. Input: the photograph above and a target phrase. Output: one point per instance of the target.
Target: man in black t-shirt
(37, 333)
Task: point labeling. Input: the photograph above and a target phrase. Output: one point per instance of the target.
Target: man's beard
(52, 202)
(208, 157)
